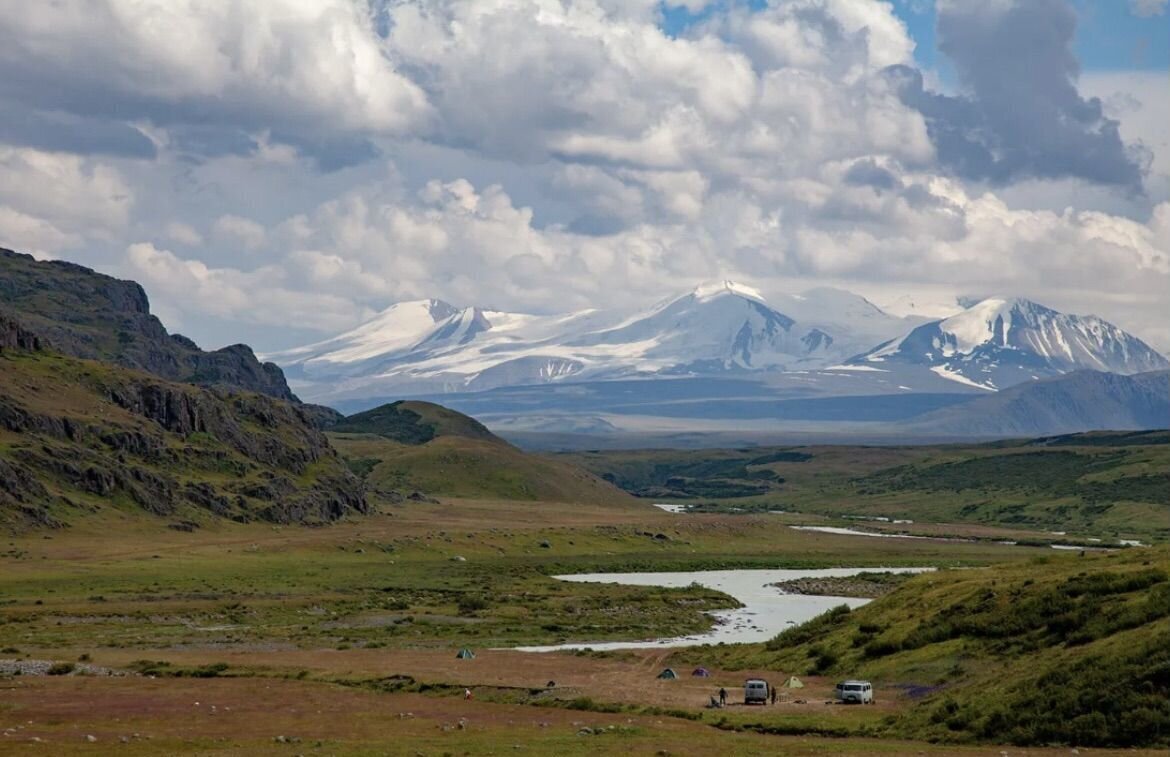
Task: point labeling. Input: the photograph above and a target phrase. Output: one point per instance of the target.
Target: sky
(277, 171)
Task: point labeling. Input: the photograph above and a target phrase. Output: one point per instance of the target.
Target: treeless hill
(414, 422)
(408, 446)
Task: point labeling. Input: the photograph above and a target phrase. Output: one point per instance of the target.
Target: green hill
(81, 436)
(413, 447)
(1102, 484)
(414, 422)
(1063, 649)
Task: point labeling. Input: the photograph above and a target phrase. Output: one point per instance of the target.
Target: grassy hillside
(414, 422)
(457, 466)
(78, 436)
(1063, 649)
(1101, 484)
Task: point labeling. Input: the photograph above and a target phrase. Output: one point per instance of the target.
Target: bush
(823, 660)
(813, 629)
(61, 668)
(471, 605)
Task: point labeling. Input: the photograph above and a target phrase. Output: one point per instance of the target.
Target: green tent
(668, 674)
(465, 654)
(793, 683)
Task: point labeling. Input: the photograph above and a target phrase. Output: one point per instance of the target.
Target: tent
(668, 674)
(465, 654)
(793, 683)
(701, 672)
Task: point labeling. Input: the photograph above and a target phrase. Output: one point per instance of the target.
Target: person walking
(722, 697)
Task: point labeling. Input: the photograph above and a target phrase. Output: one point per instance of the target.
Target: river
(766, 611)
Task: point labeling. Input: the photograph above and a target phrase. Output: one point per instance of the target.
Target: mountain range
(429, 346)
(729, 354)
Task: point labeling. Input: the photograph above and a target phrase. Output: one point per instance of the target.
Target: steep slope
(855, 323)
(412, 447)
(1064, 649)
(398, 327)
(997, 343)
(1080, 401)
(89, 315)
(717, 327)
(79, 436)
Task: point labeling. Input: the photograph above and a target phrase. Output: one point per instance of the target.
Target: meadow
(344, 637)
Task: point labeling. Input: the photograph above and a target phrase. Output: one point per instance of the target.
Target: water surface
(766, 612)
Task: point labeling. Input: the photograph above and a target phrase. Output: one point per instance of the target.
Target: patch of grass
(1101, 484)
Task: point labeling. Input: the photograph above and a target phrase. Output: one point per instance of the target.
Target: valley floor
(256, 639)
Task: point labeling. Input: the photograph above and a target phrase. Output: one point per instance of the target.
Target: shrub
(471, 604)
(61, 668)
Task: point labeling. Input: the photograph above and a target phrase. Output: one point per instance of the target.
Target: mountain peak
(1000, 341)
(711, 289)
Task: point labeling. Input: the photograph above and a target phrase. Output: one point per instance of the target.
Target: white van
(855, 692)
(755, 691)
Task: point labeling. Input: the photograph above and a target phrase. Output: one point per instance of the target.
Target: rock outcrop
(89, 315)
(83, 434)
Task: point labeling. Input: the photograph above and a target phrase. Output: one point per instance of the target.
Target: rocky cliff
(89, 315)
(79, 436)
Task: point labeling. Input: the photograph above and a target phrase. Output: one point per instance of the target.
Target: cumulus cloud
(213, 71)
(1021, 114)
(236, 230)
(1147, 8)
(546, 156)
(256, 296)
(50, 202)
(183, 234)
(879, 223)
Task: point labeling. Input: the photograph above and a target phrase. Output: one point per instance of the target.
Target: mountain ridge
(717, 327)
(999, 342)
(1071, 403)
(820, 343)
(92, 316)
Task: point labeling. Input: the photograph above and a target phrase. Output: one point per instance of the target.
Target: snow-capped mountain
(398, 327)
(821, 341)
(429, 346)
(997, 342)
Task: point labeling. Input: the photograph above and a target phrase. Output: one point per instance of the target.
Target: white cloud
(256, 296)
(1147, 8)
(545, 156)
(183, 234)
(309, 66)
(35, 236)
(52, 202)
(474, 245)
(237, 230)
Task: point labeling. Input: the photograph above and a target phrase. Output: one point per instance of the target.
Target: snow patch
(950, 375)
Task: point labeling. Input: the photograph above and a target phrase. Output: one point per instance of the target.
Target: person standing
(772, 689)
(722, 697)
